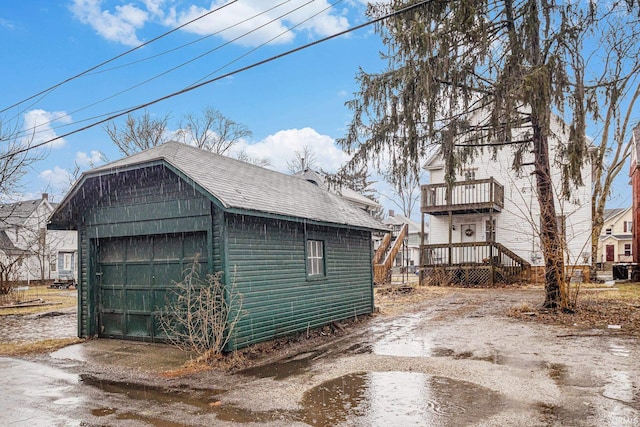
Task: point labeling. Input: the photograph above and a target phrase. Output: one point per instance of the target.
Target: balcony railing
(482, 195)
(471, 263)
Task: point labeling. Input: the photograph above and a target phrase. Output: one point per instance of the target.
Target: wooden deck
(475, 263)
(482, 195)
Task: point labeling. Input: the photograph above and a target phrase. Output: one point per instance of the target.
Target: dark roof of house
(7, 246)
(238, 186)
(12, 214)
(612, 213)
(398, 219)
(315, 177)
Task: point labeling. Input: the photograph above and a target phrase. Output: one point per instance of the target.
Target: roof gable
(240, 187)
(16, 214)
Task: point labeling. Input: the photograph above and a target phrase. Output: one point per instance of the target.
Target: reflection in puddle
(619, 350)
(198, 398)
(403, 338)
(285, 368)
(401, 398)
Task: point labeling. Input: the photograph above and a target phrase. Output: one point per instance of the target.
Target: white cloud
(119, 26)
(281, 147)
(94, 158)
(122, 23)
(57, 180)
(39, 127)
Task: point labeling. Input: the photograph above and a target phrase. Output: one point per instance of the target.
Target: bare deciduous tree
(614, 96)
(139, 133)
(258, 161)
(406, 190)
(302, 159)
(16, 157)
(212, 131)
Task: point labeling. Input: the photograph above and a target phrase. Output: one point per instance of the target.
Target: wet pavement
(452, 361)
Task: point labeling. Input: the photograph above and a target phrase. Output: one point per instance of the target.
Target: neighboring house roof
(12, 214)
(341, 190)
(610, 214)
(7, 246)
(414, 227)
(237, 186)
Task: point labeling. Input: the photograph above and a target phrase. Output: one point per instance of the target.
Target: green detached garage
(300, 256)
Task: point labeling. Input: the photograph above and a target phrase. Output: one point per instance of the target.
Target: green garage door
(136, 277)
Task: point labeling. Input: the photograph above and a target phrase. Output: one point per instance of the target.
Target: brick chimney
(45, 196)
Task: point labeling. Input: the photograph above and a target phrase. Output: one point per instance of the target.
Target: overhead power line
(223, 76)
(57, 85)
(142, 83)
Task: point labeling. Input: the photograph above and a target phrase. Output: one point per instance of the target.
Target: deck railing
(475, 195)
(485, 261)
(382, 268)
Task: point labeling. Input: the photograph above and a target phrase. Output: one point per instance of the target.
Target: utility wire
(198, 40)
(142, 83)
(331, 5)
(229, 74)
(51, 88)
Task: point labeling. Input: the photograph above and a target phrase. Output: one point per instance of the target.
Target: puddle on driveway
(198, 398)
(398, 398)
(365, 398)
(284, 368)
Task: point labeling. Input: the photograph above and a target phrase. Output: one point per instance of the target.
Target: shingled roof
(238, 186)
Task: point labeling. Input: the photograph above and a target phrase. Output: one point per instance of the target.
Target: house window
(627, 249)
(469, 175)
(66, 262)
(490, 230)
(315, 258)
(628, 226)
(608, 231)
(53, 263)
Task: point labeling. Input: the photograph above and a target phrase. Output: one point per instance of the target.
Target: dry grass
(59, 299)
(597, 308)
(37, 347)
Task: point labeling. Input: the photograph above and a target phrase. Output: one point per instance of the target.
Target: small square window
(608, 231)
(315, 258)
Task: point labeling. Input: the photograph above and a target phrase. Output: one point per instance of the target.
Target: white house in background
(490, 203)
(28, 249)
(616, 238)
(410, 254)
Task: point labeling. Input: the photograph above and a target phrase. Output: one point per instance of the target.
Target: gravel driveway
(451, 358)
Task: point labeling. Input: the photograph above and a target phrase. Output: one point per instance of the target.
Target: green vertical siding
(83, 296)
(268, 258)
(149, 201)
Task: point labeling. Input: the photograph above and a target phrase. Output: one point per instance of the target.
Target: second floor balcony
(480, 195)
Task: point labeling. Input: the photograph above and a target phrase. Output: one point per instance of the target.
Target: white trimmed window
(315, 258)
(66, 262)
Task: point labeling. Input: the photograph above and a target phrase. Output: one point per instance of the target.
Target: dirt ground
(429, 357)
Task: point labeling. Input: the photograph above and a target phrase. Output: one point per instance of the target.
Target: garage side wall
(268, 260)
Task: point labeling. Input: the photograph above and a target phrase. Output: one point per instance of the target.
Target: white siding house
(28, 251)
(488, 190)
(615, 243)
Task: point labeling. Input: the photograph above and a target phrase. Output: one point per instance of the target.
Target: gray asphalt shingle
(240, 185)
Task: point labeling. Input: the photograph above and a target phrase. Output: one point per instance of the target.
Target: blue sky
(291, 102)
(294, 101)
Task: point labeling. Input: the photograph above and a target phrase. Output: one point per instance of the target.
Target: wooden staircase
(388, 251)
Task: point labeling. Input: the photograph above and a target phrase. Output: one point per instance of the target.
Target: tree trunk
(549, 235)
